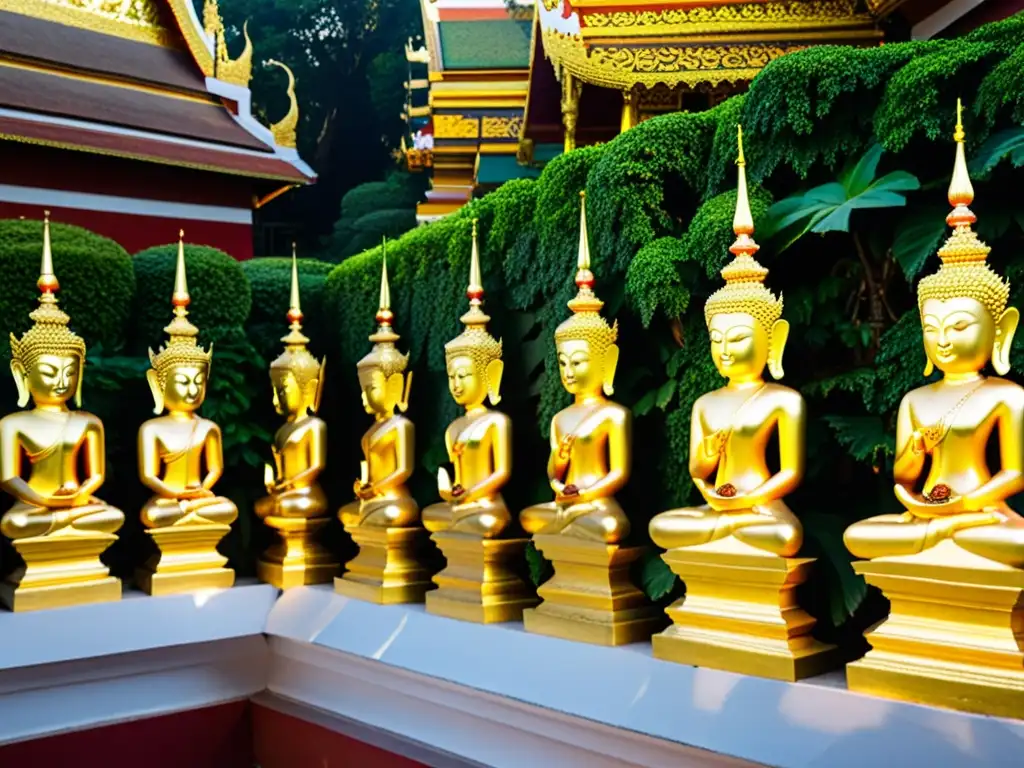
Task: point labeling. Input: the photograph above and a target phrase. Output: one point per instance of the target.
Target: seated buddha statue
(180, 453)
(731, 427)
(382, 499)
(480, 582)
(590, 440)
(736, 552)
(295, 504)
(590, 597)
(52, 461)
(952, 563)
(943, 429)
(384, 519)
(479, 442)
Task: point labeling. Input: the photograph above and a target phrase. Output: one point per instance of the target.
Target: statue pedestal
(298, 559)
(953, 636)
(740, 614)
(61, 569)
(590, 598)
(187, 560)
(480, 582)
(387, 569)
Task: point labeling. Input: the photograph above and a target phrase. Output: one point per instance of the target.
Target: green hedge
(97, 283)
(221, 296)
(270, 281)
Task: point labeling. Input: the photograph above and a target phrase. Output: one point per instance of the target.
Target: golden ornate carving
(285, 129)
(621, 67)
(501, 127)
(236, 71)
(733, 18)
(137, 20)
(456, 127)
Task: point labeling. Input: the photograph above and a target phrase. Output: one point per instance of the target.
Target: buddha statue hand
(565, 448)
(714, 443)
(927, 506)
(457, 492)
(924, 440)
(718, 499)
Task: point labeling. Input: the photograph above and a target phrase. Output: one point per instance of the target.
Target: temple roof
(485, 44)
(132, 79)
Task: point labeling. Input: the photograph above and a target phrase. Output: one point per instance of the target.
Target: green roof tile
(497, 169)
(485, 44)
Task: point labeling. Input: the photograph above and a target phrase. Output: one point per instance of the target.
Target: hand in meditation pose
(731, 427)
(591, 439)
(479, 443)
(382, 500)
(51, 441)
(180, 454)
(944, 429)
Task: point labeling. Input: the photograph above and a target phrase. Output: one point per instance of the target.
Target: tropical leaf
(1000, 145)
(540, 569)
(864, 437)
(916, 238)
(656, 578)
(846, 590)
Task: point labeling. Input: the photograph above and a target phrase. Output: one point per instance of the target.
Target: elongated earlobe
(929, 367)
(611, 362)
(776, 348)
(495, 369)
(18, 372)
(154, 388)
(1006, 329)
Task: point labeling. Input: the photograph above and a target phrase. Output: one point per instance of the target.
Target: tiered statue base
(187, 560)
(297, 559)
(955, 633)
(590, 598)
(480, 583)
(61, 569)
(740, 614)
(387, 569)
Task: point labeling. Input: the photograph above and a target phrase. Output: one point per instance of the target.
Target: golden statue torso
(55, 497)
(730, 432)
(384, 501)
(479, 447)
(589, 464)
(300, 453)
(181, 458)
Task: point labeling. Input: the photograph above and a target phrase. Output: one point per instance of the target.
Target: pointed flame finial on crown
(384, 316)
(295, 337)
(475, 317)
(585, 300)
(961, 191)
(47, 281)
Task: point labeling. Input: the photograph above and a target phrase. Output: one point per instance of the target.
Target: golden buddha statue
(295, 505)
(590, 597)
(736, 551)
(953, 562)
(52, 461)
(181, 459)
(384, 518)
(480, 583)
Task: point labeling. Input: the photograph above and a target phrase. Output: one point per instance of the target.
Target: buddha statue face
(290, 397)
(961, 336)
(381, 395)
(51, 380)
(184, 389)
(740, 346)
(584, 370)
(467, 386)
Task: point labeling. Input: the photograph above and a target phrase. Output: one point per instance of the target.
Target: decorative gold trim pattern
(456, 127)
(501, 127)
(235, 71)
(137, 20)
(737, 17)
(285, 130)
(671, 65)
(194, 36)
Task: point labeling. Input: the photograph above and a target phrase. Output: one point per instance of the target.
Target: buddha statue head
(180, 368)
(587, 352)
(473, 357)
(744, 318)
(47, 361)
(296, 375)
(382, 376)
(963, 306)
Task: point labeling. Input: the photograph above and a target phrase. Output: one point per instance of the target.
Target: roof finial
(47, 282)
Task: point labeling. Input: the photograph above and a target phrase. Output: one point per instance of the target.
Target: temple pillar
(571, 88)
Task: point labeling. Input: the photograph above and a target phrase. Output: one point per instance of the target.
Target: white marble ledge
(136, 623)
(502, 668)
